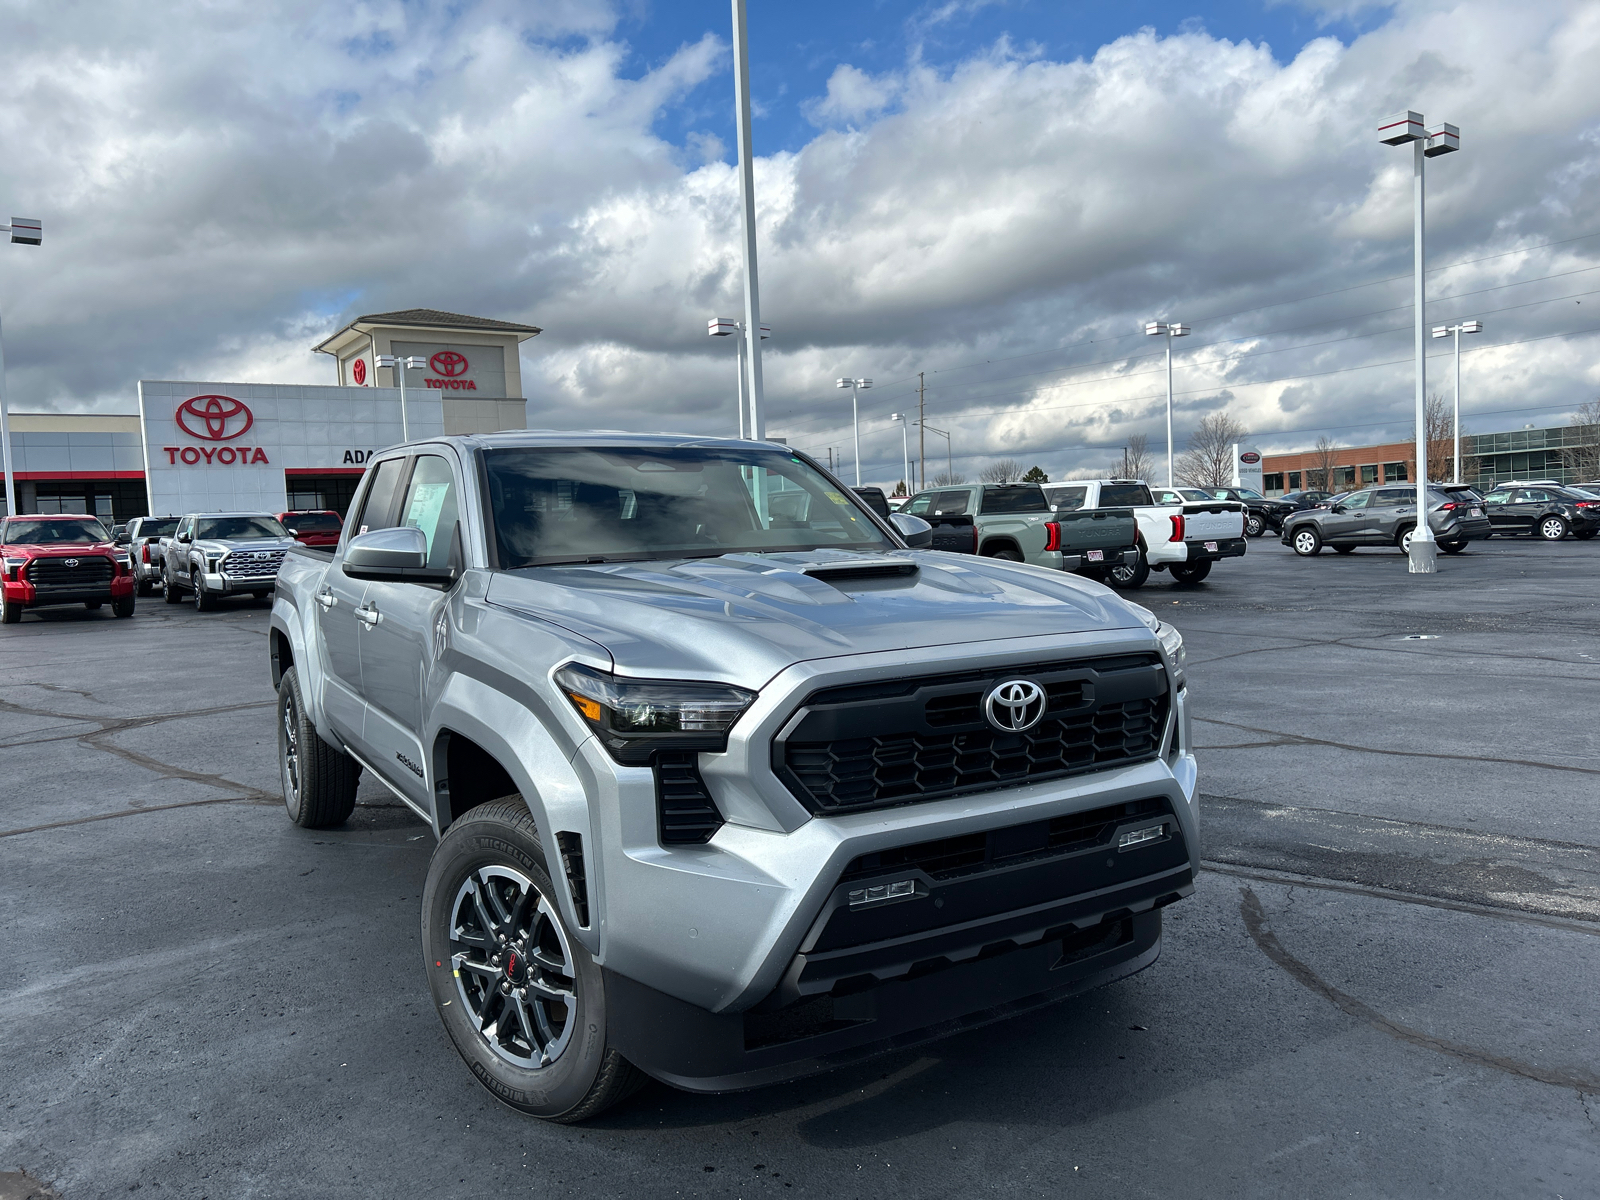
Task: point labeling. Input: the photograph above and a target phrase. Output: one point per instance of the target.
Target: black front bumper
(1225, 548)
(1079, 943)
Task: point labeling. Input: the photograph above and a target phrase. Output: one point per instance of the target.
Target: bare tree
(1324, 460)
(1582, 453)
(948, 479)
(1135, 462)
(1208, 462)
(1441, 438)
(1002, 470)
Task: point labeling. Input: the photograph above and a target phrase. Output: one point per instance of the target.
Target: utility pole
(922, 436)
(747, 196)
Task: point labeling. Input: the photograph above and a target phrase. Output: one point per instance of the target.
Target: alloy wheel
(1553, 529)
(291, 750)
(1305, 541)
(1405, 541)
(513, 966)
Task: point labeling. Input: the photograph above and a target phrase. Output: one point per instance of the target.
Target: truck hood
(220, 546)
(56, 550)
(742, 618)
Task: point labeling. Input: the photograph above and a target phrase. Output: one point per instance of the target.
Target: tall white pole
(905, 457)
(1458, 404)
(747, 195)
(855, 421)
(739, 357)
(5, 439)
(1169, 411)
(400, 374)
(1423, 549)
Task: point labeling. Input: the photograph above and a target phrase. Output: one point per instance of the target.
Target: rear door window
(1014, 500)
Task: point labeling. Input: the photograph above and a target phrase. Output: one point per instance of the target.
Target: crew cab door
(401, 646)
(340, 601)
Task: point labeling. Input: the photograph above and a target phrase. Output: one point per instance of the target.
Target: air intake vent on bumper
(685, 812)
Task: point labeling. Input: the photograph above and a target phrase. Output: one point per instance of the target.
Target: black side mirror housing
(398, 555)
(916, 532)
(1339, 508)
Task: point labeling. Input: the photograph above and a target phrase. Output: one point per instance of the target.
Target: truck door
(399, 662)
(339, 602)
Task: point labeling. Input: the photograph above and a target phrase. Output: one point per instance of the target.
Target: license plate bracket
(1211, 546)
(1095, 555)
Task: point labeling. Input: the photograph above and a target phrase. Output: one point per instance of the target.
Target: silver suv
(731, 783)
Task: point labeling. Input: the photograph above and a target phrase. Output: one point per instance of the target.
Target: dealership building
(215, 446)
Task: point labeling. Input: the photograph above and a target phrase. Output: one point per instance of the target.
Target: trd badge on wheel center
(1014, 705)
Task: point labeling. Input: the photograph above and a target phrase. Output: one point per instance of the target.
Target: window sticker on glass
(427, 501)
(838, 499)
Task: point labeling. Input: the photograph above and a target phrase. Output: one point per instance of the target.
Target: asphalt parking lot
(1385, 985)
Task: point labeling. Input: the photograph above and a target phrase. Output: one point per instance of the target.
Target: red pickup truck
(61, 560)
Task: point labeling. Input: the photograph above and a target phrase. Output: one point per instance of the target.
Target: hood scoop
(869, 568)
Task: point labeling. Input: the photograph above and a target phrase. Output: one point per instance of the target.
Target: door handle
(368, 615)
(326, 599)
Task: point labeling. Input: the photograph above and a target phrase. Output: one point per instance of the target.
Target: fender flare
(287, 623)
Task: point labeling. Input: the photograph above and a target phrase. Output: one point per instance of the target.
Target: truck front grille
(908, 740)
(253, 564)
(68, 574)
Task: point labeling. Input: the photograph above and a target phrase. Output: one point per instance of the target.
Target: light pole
(747, 197)
(1426, 143)
(412, 362)
(1168, 331)
(949, 462)
(24, 232)
(723, 327)
(905, 452)
(856, 386)
(1440, 331)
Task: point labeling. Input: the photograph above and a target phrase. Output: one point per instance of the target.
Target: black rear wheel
(1452, 547)
(93, 605)
(1345, 549)
(1128, 575)
(319, 781)
(1254, 525)
(1005, 555)
(1194, 572)
(519, 996)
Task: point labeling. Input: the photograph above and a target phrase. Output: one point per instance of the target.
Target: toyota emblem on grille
(1015, 705)
(71, 562)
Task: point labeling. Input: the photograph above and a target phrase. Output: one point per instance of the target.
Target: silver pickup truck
(212, 555)
(731, 782)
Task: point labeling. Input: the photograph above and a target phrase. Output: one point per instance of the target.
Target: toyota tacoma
(731, 781)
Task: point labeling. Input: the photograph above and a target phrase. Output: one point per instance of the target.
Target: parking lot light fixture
(905, 450)
(725, 327)
(411, 362)
(1426, 142)
(1168, 330)
(1440, 331)
(856, 386)
(25, 231)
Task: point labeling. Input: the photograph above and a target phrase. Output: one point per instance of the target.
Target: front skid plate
(699, 1051)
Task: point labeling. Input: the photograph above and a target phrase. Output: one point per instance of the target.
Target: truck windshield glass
(596, 504)
(1118, 495)
(315, 522)
(158, 528)
(1002, 500)
(239, 529)
(54, 531)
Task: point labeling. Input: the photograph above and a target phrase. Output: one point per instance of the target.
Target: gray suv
(1387, 516)
(731, 783)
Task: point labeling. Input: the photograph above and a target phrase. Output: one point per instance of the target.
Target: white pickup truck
(1184, 539)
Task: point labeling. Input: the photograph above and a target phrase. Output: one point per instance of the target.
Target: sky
(996, 194)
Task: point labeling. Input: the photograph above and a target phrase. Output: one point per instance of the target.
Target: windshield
(164, 527)
(314, 522)
(55, 531)
(239, 529)
(594, 504)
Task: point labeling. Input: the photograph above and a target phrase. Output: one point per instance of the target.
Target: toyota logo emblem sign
(1015, 705)
(449, 363)
(358, 372)
(72, 562)
(1250, 458)
(214, 418)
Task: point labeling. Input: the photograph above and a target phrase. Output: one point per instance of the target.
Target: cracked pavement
(1384, 985)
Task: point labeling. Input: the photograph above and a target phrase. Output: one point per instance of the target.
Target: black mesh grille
(88, 571)
(899, 742)
(686, 814)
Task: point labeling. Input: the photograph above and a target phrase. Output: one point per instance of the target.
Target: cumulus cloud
(218, 202)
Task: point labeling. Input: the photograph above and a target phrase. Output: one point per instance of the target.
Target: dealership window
(1394, 472)
(1272, 484)
(1369, 474)
(1294, 481)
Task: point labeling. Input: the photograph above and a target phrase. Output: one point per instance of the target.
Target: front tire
(1128, 576)
(1191, 572)
(203, 600)
(122, 606)
(319, 781)
(1306, 541)
(1254, 525)
(1552, 529)
(144, 588)
(10, 613)
(169, 589)
(519, 996)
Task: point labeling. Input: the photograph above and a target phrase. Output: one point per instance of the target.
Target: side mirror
(918, 534)
(1339, 508)
(185, 538)
(122, 538)
(397, 555)
(294, 533)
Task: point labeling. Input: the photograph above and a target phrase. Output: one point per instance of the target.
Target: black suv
(1278, 508)
(1258, 509)
(1546, 511)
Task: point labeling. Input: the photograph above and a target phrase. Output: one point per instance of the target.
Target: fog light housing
(882, 893)
(1142, 837)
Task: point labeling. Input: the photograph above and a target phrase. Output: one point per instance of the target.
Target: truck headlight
(13, 567)
(633, 718)
(1171, 641)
